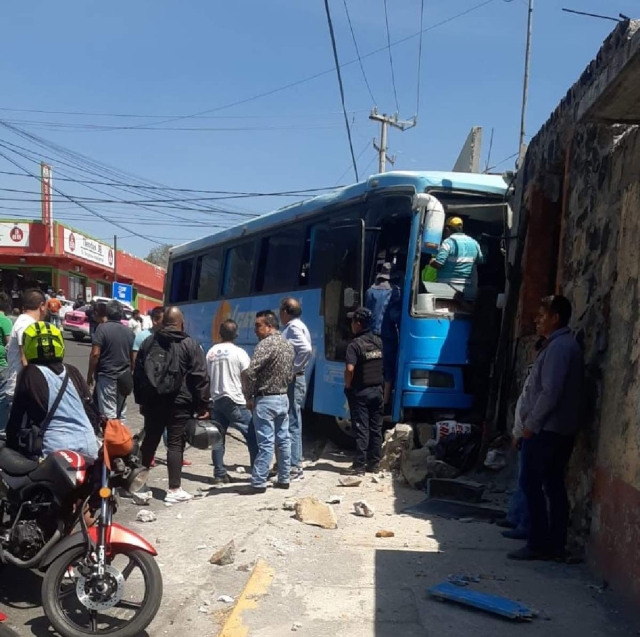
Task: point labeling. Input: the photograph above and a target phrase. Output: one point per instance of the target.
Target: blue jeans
(229, 414)
(518, 513)
(271, 423)
(108, 398)
(296, 395)
(5, 401)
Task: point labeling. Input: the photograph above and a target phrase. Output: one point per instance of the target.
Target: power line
(315, 76)
(355, 44)
(419, 83)
(393, 74)
(344, 108)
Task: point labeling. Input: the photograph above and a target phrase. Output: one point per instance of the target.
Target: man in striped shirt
(457, 255)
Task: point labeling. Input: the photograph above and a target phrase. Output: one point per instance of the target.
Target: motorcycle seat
(15, 464)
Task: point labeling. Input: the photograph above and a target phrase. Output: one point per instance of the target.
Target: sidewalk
(346, 582)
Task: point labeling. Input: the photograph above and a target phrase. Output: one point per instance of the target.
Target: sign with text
(47, 204)
(80, 246)
(123, 292)
(14, 235)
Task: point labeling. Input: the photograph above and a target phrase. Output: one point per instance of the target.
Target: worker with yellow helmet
(52, 407)
(458, 254)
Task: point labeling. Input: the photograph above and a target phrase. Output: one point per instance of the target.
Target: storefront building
(35, 254)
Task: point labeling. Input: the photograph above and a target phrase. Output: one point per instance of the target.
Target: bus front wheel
(340, 432)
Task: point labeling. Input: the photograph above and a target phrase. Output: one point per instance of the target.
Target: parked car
(77, 323)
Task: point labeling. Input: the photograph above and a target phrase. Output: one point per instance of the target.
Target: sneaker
(296, 474)
(353, 471)
(187, 463)
(256, 490)
(174, 497)
(281, 485)
(226, 479)
(373, 468)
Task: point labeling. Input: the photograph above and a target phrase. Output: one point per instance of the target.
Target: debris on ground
(454, 510)
(396, 441)
(495, 460)
(204, 608)
(179, 516)
(334, 499)
(460, 450)
(461, 579)
(385, 534)
(201, 547)
(225, 599)
(296, 626)
(225, 555)
(267, 508)
(490, 603)
(240, 470)
(462, 490)
(350, 481)
(244, 568)
(289, 505)
(146, 516)
(426, 433)
(375, 479)
(418, 465)
(142, 498)
(315, 513)
(364, 509)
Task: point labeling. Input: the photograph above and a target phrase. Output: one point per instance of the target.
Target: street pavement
(345, 582)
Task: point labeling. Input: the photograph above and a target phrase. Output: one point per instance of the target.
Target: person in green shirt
(6, 326)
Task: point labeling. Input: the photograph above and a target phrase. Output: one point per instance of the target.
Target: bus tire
(340, 432)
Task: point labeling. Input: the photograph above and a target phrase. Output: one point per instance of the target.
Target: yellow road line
(257, 586)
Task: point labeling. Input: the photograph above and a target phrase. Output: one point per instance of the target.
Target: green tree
(160, 255)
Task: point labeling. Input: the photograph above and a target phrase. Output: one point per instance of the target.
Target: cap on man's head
(361, 315)
(455, 223)
(385, 272)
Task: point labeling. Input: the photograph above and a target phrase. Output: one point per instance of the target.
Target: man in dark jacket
(171, 411)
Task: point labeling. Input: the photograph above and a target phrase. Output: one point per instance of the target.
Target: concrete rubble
(142, 498)
(396, 441)
(315, 513)
(146, 516)
(350, 481)
(225, 555)
(362, 508)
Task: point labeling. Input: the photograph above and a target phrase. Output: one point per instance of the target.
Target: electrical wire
(339, 74)
(393, 74)
(348, 168)
(315, 76)
(419, 82)
(355, 44)
(502, 162)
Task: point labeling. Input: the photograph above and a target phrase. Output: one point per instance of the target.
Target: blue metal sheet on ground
(483, 601)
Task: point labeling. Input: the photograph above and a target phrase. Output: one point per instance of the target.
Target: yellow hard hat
(455, 223)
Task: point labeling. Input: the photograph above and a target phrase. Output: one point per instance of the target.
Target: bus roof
(472, 182)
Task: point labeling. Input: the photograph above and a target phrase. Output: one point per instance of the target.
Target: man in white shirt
(135, 322)
(296, 332)
(35, 309)
(226, 362)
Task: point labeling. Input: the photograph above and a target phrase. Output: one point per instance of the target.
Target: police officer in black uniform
(363, 380)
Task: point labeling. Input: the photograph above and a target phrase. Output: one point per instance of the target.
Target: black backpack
(162, 369)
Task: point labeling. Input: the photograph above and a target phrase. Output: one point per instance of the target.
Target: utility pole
(385, 121)
(115, 264)
(522, 148)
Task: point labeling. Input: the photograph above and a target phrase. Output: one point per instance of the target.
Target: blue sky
(174, 58)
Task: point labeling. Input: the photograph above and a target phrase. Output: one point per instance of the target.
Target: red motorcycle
(101, 580)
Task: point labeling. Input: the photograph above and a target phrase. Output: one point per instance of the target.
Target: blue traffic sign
(123, 292)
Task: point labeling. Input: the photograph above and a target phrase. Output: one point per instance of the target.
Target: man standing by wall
(110, 362)
(296, 332)
(171, 385)
(35, 309)
(226, 362)
(266, 383)
(363, 387)
(550, 413)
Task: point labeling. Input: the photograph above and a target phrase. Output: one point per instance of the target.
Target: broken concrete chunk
(143, 498)
(350, 481)
(289, 505)
(397, 440)
(385, 534)
(146, 516)
(418, 465)
(334, 499)
(315, 513)
(225, 555)
(225, 599)
(364, 509)
(296, 626)
(426, 433)
(240, 470)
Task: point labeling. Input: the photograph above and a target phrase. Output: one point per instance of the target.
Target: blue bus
(326, 252)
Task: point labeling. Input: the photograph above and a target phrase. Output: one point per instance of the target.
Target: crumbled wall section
(588, 173)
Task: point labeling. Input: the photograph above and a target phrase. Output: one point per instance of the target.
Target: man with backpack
(171, 385)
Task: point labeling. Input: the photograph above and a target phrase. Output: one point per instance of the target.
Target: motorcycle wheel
(72, 617)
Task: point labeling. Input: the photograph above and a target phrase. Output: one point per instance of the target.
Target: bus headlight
(432, 378)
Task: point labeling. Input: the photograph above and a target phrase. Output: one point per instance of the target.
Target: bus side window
(207, 279)
(238, 272)
(279, 266)
(303, 277)
(181, 274)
